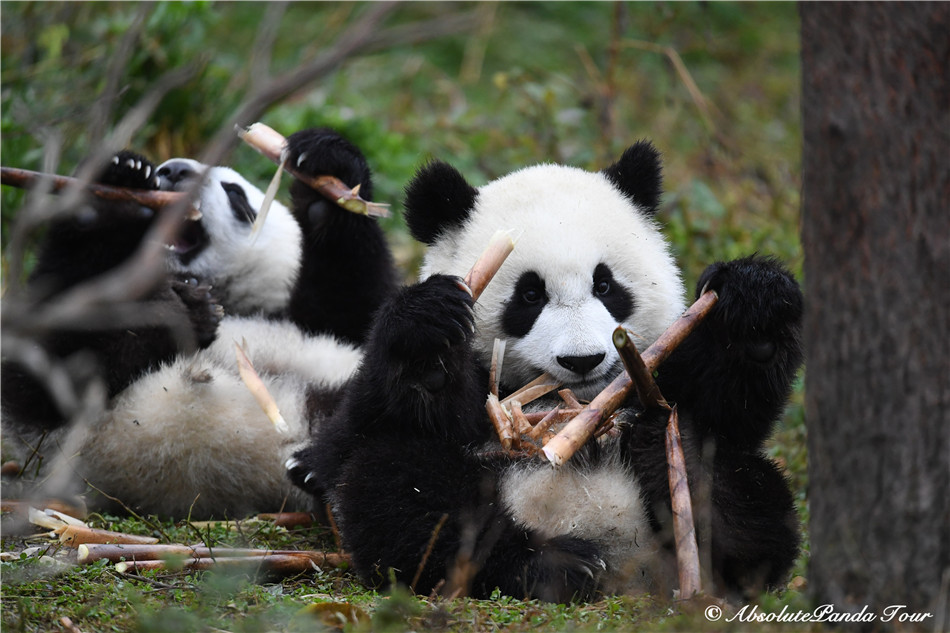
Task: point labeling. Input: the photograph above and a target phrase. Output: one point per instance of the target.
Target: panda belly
(190, 439)
(600, 502)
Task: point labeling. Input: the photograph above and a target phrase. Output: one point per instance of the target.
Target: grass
(500, 97)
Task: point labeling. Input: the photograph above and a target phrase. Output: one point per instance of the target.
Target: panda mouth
(190, 240)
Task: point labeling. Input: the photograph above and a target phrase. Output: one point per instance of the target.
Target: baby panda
(409, 462)
(181, 434)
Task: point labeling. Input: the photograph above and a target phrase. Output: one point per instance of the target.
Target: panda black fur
(208, 448)
(406, 451)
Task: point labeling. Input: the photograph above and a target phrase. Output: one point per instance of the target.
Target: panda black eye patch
(525, 305)
(615, 297)
(240, 206)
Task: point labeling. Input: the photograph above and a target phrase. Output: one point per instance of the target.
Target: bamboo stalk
(76, 535)
(684, 531)
(540, 386)
(27, 179)
(288, 519)
(503, 426)
(647, 390)
(91, 552)
(497, 359)
(488, 263)
(283, 564)
(576, 432)
(271, 144)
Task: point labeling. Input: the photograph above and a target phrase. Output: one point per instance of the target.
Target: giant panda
(409, 462)
(181, 434)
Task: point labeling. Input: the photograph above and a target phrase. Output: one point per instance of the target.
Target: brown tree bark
(876, 237)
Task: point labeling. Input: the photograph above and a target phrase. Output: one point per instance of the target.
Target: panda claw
(464, 286)
(130, 163)
(292, 463)
(309, 476)
(301, 158)
(115, 160)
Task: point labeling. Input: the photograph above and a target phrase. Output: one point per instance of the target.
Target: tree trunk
(876, 237)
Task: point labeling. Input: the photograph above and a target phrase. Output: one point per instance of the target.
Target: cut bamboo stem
(576, 432)
(647, 390)
(26, 179)
(89, 553)
(501, 422)
(282, 564)
(488, 263)
(76, 535)
(271, 144)
(684, 530)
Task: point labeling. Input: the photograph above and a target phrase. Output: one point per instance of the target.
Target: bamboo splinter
(576, 433)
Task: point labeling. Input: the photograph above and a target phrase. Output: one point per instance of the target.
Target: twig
(684, 531)
(428, 552)
(576, 433)
(694, 92)
(153, 199)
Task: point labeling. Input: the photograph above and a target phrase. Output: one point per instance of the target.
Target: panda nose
(580, 364)
(176, 171)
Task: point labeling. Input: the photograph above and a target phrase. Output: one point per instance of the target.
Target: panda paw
(128, 169)
(430, 317)
(203, 310)
(300, 472)
(759, 309)
(323, 152)
(565, 569)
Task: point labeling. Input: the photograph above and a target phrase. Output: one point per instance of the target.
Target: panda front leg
(347, 270)
(734, 372)
(400, 454)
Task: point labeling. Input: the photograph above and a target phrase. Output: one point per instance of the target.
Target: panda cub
(407, 461)
(181, 434)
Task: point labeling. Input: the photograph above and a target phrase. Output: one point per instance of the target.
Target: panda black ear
(638, 175)
(438, 198)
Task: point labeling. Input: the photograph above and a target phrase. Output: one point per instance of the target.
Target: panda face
(249, 273)
(588, 258)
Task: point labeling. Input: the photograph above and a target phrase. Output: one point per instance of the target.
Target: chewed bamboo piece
(684, 530)
(259, 390)
(576, 432)
(271, 144)
(156, 200)
(488, 263)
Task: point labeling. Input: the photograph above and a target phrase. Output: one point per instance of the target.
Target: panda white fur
(410, 447)
(182, 435)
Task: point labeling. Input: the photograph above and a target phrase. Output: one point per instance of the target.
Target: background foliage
(526, 82)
